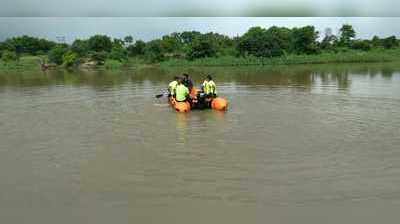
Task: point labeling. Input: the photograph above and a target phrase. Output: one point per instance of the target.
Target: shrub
(70, 59)
(100, 43)
(113, 64)
(154, 51)
(202, 49)
(364, 45)
(80, 47)
(118, 54)
(304, 40)
(8, 56)
(137, 48)
(99, 57)
(390, 42)
(56, 54)
(261, 42)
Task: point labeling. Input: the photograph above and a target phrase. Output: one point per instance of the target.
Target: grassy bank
(32, 63)
(351, 56)
(24, 63)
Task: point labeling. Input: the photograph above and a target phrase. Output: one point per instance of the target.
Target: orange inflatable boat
(182, 107)
(198, 102)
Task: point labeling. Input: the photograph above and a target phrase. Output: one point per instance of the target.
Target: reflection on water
(304, 76)
(182, 120)
(297, 142)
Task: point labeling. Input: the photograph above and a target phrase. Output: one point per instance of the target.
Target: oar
(160, 95)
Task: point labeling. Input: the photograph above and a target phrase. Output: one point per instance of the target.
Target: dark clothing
(181, 101)
(201, 102)
(188, 83)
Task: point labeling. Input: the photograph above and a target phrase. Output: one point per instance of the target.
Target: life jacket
(172, 87)
(210, 87)
(181, 92)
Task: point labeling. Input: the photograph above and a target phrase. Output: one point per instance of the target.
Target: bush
(364, 45)
(260, 42)
(154, 51)
(8, 56)
(99, 57)
(113, 64)
(304, 40)
(56, 54)
(70, 59)
(390, 42)
(137, 48)
(80, 47)
(29, 45)
(202, 49)
(118, 54)
(100, 43)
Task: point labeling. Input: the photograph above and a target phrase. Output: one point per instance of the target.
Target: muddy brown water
(299, 144)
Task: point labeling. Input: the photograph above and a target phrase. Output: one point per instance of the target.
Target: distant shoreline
(351, 56)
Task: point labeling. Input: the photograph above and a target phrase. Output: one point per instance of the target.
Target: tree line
(191, 45)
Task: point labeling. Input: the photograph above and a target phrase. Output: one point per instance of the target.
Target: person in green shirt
(209, 87)
(182, 92)
(172, 86)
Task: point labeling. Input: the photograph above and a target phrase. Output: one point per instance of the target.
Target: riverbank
(24, 63)
(350, 56)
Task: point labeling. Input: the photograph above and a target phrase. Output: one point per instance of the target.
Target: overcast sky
(149, 28)
(108, 8)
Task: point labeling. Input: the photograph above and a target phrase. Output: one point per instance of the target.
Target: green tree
(29, 45)
(390, 42)
(8, 56)
(377, 42)
(328, 43)
(170, 43)
(100, 43)
(80, 47)
(128, 40)
(202, 48)
(281, 36)
(304, 40)
(56, 54)
(264, 43)
(364, 45)
(137, 48)
(329, 40)
(188, 37)
(118, 54)
(154, 51)
(70, 59)
(347, 34)
(118, 43)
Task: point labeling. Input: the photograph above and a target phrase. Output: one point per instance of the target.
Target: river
(299, 144)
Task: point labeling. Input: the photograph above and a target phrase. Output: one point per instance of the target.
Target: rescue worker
(181, 92)
(172, 86)
(209, 87)
(187, 81)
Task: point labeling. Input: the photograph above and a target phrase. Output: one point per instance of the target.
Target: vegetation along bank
(258, 46)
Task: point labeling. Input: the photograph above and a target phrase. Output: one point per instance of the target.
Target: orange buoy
(219, 104)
